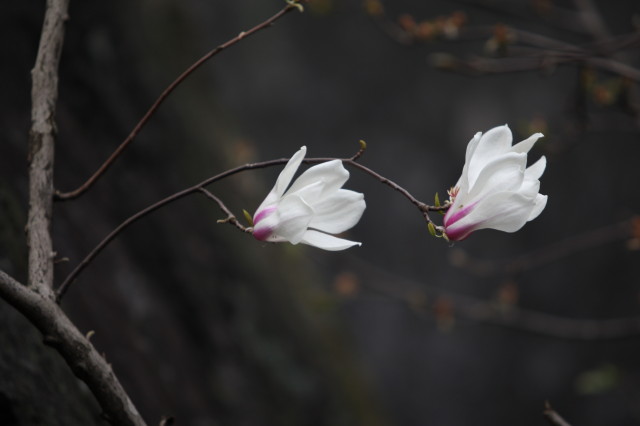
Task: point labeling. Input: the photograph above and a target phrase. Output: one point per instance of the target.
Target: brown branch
(424, 208)
(552, 416)
(83, 358)
(44, 95)
(114, 156)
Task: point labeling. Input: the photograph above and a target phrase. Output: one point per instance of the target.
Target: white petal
(504, 211)
(495, 142)
(504, 173)
(331, 173)
(529, 188)
(326, 241)
(535, 170)
(540, 203)
(526, 145)
(338, 212)
(289, 170)
(294, 216)
(471, 147)
(310, 193)
(531, 184)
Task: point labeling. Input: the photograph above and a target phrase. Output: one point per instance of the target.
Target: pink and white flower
(314, 207)
(496, 190)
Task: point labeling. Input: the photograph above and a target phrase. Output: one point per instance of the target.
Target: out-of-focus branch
(591, 19)
(83, 358)
(550, 12)
(552, 416)
(200, 187)
(165, 94)
(558, 250)
(426, 299)
(44, 95)
(534, 62)
(546, 52)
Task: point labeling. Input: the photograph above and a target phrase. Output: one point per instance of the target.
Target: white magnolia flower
(496, 190)
(312, 208)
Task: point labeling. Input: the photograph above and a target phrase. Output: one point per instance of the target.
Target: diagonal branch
(164, 95)
(86, 363)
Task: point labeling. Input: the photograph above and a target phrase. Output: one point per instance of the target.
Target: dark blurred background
(203, 323)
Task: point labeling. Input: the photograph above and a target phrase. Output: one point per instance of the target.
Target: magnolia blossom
(496, 190)
(312, 208)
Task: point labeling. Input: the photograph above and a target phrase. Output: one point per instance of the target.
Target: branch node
(228, 219)
(363, 147)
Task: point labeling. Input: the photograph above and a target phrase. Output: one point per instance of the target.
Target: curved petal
(338, 212)
(504, 173)
(326, 241)
(535, 170)
(293, 217)
(471, 147)
(514, 211)
(504, 211)
(311, 193)
(495, 142)
(331, 173)
(289, 170)
(531, 184)
(540, 203)
(526, 145)
(529, 188)
(284, 178)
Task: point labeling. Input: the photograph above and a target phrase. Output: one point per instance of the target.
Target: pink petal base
(462, 232)
(459, 234)
(262, 214)
(262, 234)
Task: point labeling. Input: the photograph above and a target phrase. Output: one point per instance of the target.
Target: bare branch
(424, 208)
(85, 361)
(37, 302)
(44, 95)
(409, 291)
(143, 121)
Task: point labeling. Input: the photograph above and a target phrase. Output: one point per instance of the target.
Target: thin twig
(424, 208)
(114, 156)
(231, 219)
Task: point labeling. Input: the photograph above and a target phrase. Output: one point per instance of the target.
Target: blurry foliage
(598, 380)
